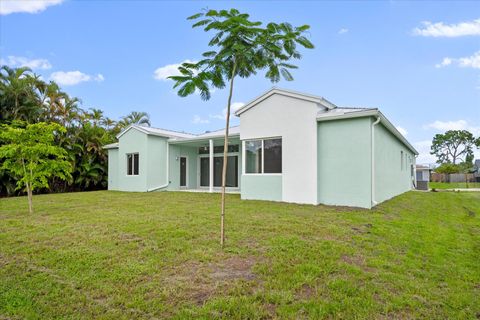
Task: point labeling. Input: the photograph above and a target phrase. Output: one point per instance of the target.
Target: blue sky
(419, 62)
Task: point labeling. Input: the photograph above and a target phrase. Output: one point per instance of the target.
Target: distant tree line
(27, 99)
(454, 151)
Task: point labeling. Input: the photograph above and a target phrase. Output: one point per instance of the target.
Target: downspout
(372, 171)
(168, 178)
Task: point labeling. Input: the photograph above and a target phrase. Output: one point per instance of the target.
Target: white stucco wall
(294, 120)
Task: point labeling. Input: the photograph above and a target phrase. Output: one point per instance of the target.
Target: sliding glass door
(232, 171)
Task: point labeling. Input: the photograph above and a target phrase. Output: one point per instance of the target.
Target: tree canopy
(31, 155)
(454, 145)
(26, 97)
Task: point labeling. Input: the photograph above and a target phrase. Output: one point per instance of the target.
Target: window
(401, 160)
(272, 156)
(253, 152)
(263, 156)
(132, 164)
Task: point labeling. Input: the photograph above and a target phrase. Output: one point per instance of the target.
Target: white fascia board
(128, 129)
(146, 131)
(111, 146)
(200, 139)
(373, 113)
(289, 93)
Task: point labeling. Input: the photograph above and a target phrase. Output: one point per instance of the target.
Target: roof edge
(111, 146)
(290, 93)
(373, 113)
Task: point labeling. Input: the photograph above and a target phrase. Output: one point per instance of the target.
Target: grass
(453, 185)
(114, 255)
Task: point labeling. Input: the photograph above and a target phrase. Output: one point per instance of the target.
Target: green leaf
(195, 16)
(286, 74)
(201, 23)
(304, 42)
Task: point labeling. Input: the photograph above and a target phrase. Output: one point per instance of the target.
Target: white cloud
(70, 78)
(403, 131)
(28, 6)
(16, 62)
(199, 120)
(169, 70)
(233, 108)
(453, 125)
(343, 31)
(424, 156)
(472, 61)
(439, 29)
(445, 62)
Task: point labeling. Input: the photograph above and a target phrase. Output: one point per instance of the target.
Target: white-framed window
(132, 164)
(263, 156)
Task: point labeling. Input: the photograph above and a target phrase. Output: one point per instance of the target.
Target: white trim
(210, 173)
(111, 146)
(243, 157)
(372, 135)
(263, 156)
(186, 171)
(156, 132)
(289, 93)
(133, 164)
(263, 173)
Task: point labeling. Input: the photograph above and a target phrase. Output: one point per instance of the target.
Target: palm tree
(16, 93)
(96, 116)
(135, 117)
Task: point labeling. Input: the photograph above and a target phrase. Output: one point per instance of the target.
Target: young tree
(453, 145)
(241, 48)
(31, 155)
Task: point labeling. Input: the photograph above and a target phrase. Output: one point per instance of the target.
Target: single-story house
(289, 146)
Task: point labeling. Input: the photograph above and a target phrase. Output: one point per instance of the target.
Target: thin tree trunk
(225, 151)
(29, 195)
(29, 188)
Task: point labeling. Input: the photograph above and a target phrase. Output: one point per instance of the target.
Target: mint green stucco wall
(177, 151)
(132, 141)
(156, 161)
(344, 153)
(112, 169)
(152, 162)
(262, 187)
(392, 174)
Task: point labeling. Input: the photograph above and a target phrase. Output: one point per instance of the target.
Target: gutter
(168, 178)
(372, 171)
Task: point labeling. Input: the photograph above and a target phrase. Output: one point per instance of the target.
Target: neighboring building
(422, 176)
(476, 167)
(289, 146)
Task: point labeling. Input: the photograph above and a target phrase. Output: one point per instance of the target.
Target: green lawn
(453, 185)
(115, 255)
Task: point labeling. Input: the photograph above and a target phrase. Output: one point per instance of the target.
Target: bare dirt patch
(305, 292)
(357, 260)
(199, 281)
(233, 268)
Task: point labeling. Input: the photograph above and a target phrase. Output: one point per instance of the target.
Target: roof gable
(156, 132)
(289, 93)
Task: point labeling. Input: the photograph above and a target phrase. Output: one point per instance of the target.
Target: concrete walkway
(459, 190)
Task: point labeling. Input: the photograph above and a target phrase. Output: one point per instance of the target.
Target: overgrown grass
(453, 185)
(115, 255)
